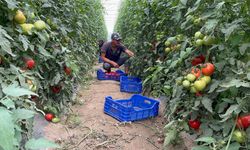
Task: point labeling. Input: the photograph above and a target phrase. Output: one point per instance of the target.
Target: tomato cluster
(198, 79)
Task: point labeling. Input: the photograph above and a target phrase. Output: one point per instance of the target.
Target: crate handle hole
(147, 102)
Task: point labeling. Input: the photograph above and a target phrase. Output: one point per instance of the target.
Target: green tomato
(56, 120)
(27, 28)
(207, 79)
(208, 40)
(179, 37)
(167, 43)
(198, 35)
(190, 77)
(32, 87)
(167, 49)
(199, 42)
(190, 17)
(186, 83)
(178, 46)
(240, 136)
(197, 21)
(200, 85)
(193, 89)
(40, 25)
(32, 15)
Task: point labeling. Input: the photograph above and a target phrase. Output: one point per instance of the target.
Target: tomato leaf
(230, 28)
(6, 130)
(230, 110)
(20, 114)
(207, 140)
(15, 91)
(207, 103)
(201, 148)
(44, 52)
(25, 41)
(4, 41)
(211, 24)
(244, 47)
(213, 86)
(12, 4)
(234, 146)
(248, 76)
(171, 136)
(8, 103)
(184, 2)
(40, 144)
(235, 82)
(227, 127)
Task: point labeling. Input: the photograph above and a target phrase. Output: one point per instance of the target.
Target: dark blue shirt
(113, 55)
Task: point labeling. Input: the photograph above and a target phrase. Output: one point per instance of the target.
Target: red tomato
(196, 61)
(195, 124)
(56, 89)
(243, 122)
(198, 94)
(208, 69)
(30, 63)
(49, 116)
(202, 57)
(67, 70)
(196, 72)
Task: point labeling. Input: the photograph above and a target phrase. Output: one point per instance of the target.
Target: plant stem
(229, 140)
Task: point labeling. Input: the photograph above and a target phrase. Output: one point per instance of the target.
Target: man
(111, 54)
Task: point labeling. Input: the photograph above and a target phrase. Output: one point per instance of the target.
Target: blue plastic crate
(138, 107)
(130, 84)
(100, 59)
(101, 75)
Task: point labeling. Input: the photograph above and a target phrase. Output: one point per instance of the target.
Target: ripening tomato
(208, 69)
(196, 72)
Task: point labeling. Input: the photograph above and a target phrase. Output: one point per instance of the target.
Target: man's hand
(130, 53)
(115, 65)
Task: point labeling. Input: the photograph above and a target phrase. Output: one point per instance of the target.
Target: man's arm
(103, 56)
(130, 53)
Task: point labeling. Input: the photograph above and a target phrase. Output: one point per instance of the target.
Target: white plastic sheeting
(111, 8)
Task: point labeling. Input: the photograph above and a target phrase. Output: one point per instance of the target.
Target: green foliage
(148, 27)
(69, 40)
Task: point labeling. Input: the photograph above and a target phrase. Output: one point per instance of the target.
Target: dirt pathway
(88, 128)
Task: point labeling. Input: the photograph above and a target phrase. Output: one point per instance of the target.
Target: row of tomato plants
(47, 48)
(196, 55)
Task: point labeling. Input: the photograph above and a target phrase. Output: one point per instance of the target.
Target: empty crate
(130, 84)
(138, 107)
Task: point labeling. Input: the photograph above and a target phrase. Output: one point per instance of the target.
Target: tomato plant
(215, 29)
(39, 38)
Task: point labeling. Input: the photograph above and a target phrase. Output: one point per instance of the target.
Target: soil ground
(87, 127)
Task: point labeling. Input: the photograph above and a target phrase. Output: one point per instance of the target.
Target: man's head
(116, 38)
